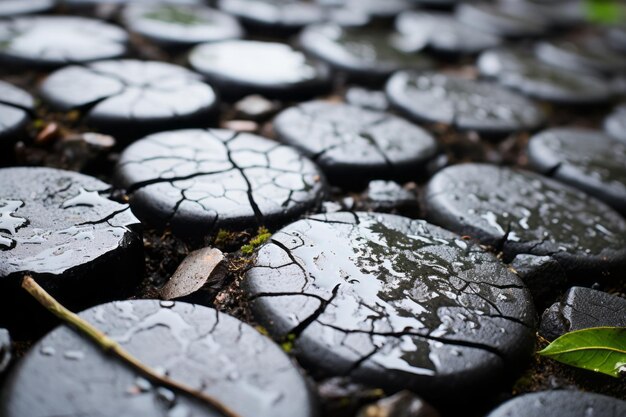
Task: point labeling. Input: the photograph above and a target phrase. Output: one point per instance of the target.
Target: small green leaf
(599, 349)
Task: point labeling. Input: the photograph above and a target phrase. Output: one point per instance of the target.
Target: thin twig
(110, 345)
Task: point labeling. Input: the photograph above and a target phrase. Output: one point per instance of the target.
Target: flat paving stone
(583, 308)
(586, 159)
(466, 105)
(519, 212)
(10, 8)
(353, 145)
(66, 374)
(199, 181)
(129, 98)
(54, 41)
(589, 55)
(615, 123)
(60, 227)
(364, 54)
(180, 25)
(16, 109)
(271, 69)
(566, 403)
(522, 72)
(495, 19)
(443, 33)
(392, 302)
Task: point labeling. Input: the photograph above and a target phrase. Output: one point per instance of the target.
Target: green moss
(606, 11)
(288, 344)
(263, 235)
(172, 14)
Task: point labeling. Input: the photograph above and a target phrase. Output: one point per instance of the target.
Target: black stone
(520, 212)
(564, 403)
(388, 197)
(464, 104)
(363, 54)
(200, 181)
(129, 98)
(367, 99)
(16, 109)
(66, 374)
(523, 72)
(590, 55)
(615, 124)
(275, 70)
(586, 159)
(353, 145)
(180, 25)
(500, 21)
(616, 37)
(543, 275)
(19, 7)
(5, 350)
(59, 227)
(54, 41)
(392, 302)
(583, 308)
(444, 34)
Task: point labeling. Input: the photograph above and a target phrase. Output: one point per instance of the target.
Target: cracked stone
(582, 308)
(54, 41)
(5, 350)
(199, 181)
(523, 72)
(130, 98)
(393, 302)
(180, 25)
(615, 123)
(589, 55)
(543, 276)
(367, 99)
(467, 105)
(239, 67)
(10, 8)
(363, 54)
(65, 374)
(565, 403)
(520, 212)
(16, 109)
(60, 227)
(586, 159)
(402, 404)
(500, 21)
(444, 34)
(389, 197)
(352, 145)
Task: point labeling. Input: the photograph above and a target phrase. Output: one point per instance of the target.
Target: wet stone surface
(200, 181)
(16, 107)
(5, 350)
(64, 374)
(586, 159)
(389, 197)
(352, 145)
(180, 25)
(462, 103)
(129, 98)
(60, 227)
(367, 99)
(54, 41)
(566, 403)
(500, 21)
(271, 69)
(520, 212)
(589, 56)
(444, 34)
(615, 123)
(557, 14)
(523, 72)
(363, 54)
(19, 7)
(394, 302)
(582, 308)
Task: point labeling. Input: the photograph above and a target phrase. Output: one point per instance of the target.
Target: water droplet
(167, 304)
(47, 350)
(166, 395)
(74, 355)
(143, 384)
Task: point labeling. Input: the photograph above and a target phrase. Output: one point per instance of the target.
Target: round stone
(67, 374)
(240, 68)
(353, 145)
(585, 159)
(500, 21)
(521, 71)
(19, 7)
(129, 98)
(180, 25)
(590, 56)
(561, 403)
(365, 54)
(201, 181)
(16, 109)
(519, 212)
(392, 302)
(615, 123)
(444, 34)
(462, 103)
(61, 228)
(53, 41)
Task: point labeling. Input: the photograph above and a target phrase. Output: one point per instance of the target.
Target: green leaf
(599, 349)
(605, 11)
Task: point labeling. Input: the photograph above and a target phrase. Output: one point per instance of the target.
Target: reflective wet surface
(16, 107)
